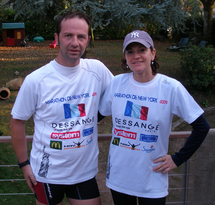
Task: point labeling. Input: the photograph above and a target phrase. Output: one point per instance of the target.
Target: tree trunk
(208, 16)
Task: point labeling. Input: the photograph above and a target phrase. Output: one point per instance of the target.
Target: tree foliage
(40, 8)
(138, 13)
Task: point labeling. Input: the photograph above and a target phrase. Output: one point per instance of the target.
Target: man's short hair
(72, 14)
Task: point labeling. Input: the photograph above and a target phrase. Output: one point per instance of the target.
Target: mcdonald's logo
(56, 145)
(116, 141)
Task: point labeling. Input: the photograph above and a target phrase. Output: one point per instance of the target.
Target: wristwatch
(20, 165)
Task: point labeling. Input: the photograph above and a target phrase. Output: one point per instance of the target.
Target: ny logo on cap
(134, 35)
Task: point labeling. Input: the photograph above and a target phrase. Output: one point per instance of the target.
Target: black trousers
(120, 198)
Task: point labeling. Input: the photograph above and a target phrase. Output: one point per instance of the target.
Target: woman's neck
(143, 77)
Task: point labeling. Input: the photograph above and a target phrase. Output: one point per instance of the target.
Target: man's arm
(19, 143)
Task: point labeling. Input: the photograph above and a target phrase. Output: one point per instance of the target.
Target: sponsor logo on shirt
(74, 110)
(87, 132)
(126, 134)
(136, 111)
(148, 150)
(56, 145)
(166, 82)
(90, 140)
(116, 141)
(64, 126)
(148, 138)
(128, 124)
(66, 135)
(130, 146)
(74, 145)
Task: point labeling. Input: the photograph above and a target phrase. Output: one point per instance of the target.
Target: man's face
(72, 40)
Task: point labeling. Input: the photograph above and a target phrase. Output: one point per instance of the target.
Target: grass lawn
(26, 60)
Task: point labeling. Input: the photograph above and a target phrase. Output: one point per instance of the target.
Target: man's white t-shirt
(64, 103)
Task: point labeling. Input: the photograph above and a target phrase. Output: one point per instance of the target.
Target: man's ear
(56, 38)
(89, 40)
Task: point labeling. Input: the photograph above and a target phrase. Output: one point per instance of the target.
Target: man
(63, 97)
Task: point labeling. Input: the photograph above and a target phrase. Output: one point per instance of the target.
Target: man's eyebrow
(82, 34)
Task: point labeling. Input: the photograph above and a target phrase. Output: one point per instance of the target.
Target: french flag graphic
(136, 111)
(76, 110)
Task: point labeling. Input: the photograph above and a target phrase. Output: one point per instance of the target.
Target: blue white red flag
(136, 111)
(75, 110)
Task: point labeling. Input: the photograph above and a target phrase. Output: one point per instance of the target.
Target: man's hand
(166, 164)
(29, 177)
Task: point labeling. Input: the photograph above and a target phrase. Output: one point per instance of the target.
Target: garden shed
(13, 33)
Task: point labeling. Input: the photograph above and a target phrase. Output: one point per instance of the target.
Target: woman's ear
(153, 54)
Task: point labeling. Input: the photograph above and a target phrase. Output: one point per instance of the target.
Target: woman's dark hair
(69, 15)
(155, 65)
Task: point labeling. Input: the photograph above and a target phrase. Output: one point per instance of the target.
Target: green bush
(198, 66)
(40, 27)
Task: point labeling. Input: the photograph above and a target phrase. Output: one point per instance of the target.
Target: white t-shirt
(64, 103)
(142, 114)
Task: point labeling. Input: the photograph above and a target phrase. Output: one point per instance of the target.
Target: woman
(143, 103)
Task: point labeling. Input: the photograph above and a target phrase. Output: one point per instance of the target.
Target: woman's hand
(166, 164)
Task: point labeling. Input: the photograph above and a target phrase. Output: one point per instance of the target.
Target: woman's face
(139, 58)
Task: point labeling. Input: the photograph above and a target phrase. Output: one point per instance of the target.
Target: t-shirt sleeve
(107, 76)
(25, 103)
(184, 105)
(105, 105)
